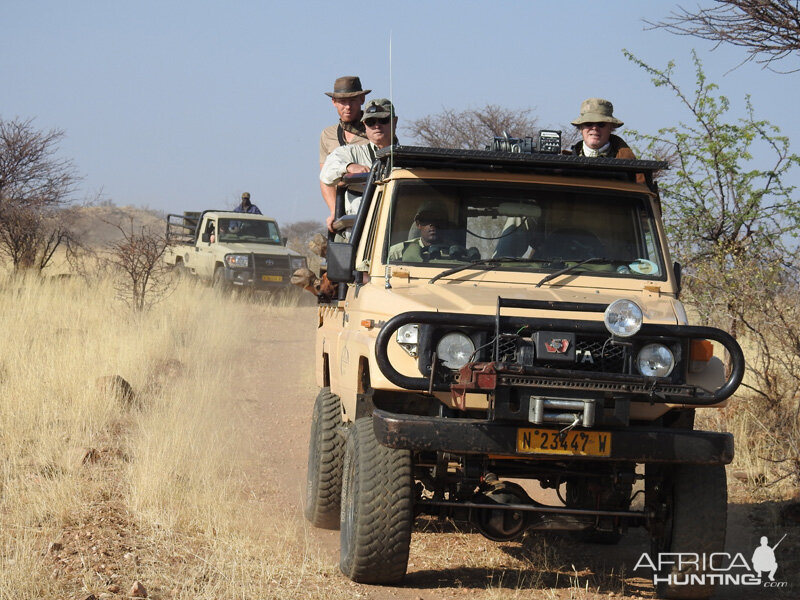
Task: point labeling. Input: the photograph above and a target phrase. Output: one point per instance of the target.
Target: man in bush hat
(380, 122)
(246, 207)
(596, 122)
(347, 97)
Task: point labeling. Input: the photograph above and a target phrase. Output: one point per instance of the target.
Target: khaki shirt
(329, 141)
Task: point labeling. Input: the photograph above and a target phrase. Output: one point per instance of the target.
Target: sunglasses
(593, 125)
(374, 122)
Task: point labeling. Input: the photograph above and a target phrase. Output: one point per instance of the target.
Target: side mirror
(341, 260)
(677, 269)
(284, 240)
(206, 237)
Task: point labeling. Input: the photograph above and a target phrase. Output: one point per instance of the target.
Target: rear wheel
(325, 458)
(693, 503)
(179, 269)
(377, 508)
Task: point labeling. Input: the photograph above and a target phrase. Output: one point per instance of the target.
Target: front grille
(508, 348)
(605, 356)
(592, 354)
(266, 265)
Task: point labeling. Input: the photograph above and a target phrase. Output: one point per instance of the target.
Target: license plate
(271, 278)
(572, 443)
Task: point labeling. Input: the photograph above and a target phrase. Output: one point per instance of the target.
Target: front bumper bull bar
(476, 436)
(637, 387)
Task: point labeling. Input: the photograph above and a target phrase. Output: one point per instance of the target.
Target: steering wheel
(572, 244)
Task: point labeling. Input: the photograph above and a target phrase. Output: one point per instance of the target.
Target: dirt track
(276, 381)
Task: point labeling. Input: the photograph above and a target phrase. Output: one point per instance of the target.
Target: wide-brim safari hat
(347, 87)
(597, 110)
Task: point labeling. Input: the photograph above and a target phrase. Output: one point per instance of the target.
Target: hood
(470, 299)
(245, 248)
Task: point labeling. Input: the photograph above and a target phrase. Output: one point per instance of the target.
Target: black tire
(218, 282)
(696, 498)
(179, 269)
(325, 459)
(377, 508)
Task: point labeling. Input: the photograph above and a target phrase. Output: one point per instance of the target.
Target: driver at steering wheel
(432, 220)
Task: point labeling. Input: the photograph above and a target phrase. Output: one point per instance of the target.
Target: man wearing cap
(380, 122)
(432, 220)
(596, 122)
(246, 207)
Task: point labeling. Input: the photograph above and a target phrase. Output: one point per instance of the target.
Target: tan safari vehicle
(231, 249)
(536, 336)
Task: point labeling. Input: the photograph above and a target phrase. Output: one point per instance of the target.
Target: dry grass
(96, 490)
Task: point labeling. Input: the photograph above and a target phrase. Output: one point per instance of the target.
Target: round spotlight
(623, 318)
(454, 350)
(655, 360)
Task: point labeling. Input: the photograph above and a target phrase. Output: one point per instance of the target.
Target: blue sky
(184, 105)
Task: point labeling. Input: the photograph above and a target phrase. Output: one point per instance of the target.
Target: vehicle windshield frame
(647, 261)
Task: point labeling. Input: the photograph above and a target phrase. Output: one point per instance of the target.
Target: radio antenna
(391, 99)
(387, 275)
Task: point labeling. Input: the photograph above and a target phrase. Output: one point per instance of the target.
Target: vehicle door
(205, 248)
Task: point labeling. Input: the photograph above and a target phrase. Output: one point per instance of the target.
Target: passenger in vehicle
(246, 206)
(380, 121)
(348, 97)
(432, 220)
(596, 124)
(211, 232)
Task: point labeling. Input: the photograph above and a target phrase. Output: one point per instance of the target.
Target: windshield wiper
(571, 268)
(495, 262)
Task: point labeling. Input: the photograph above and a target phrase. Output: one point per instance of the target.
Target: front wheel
(218, 282)
(377, 508)
(325, 458)
(693, 504)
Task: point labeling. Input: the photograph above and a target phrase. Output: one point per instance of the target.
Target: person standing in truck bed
(347, 97)
(246, 206)
(596, 123)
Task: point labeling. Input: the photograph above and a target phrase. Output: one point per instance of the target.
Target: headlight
(454, 350)
(408, 338)
(655, 360)
(297, 262)
(623, 318)
(237, 260)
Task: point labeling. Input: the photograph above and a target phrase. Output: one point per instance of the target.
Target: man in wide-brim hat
(596, 122)
(347, 96)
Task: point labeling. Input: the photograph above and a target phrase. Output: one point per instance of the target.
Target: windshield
(249, 231)
(538, 229)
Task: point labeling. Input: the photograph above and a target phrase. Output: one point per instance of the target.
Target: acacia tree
(138, 256)
(732, 219)
(472, 128)
(34, 183)
(768, 30)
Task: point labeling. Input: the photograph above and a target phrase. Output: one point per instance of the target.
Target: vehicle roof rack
(449, 158)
